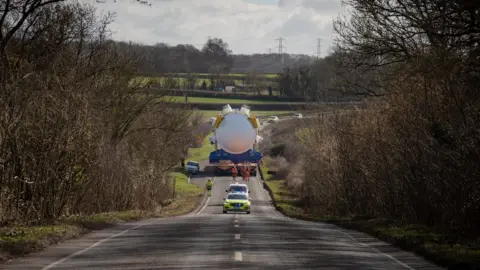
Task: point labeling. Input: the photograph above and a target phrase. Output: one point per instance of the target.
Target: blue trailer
(224, 161)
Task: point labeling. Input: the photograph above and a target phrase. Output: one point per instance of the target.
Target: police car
(237, 202)
(238, 188)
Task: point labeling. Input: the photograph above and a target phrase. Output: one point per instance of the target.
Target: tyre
(224, 211)
(248, 213)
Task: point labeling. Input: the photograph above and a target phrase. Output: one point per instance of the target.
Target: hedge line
(216, 94)
(225, 77)
(253, 107)
(244, 96)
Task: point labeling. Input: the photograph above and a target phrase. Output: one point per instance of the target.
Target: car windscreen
(238, 189)
(237, 197)
(192, 163)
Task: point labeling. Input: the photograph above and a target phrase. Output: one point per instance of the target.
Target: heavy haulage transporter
(235, 135)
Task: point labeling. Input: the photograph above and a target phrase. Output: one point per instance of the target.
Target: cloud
(248, 26)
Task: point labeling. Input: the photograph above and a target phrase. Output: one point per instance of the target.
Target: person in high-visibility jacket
(243, 173)
(209, 185)
(234, 172)
(247, 173)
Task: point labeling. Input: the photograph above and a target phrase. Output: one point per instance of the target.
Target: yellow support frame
(218, 121)
(253, 120)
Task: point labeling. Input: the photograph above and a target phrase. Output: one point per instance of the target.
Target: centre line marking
(236, 221)
(237, 236)
(236, 226)
(238, 256)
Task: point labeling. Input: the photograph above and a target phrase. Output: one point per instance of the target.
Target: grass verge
(201, 153)
(187, 196)
(443, 249)
(21, 240)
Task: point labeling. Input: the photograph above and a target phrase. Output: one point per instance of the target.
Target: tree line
(214, 57)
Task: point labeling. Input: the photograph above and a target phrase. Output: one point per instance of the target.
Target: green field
(182, 83)
(217, 100)
(237, 79)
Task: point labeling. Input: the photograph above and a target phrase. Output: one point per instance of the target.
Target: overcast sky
(248, 26)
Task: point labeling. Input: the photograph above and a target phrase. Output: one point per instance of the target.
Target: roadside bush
(282, 147)
(412, 154)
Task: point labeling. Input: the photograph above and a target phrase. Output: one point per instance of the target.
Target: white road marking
(236, 226)
(238, 256)
(376, 250)
(236, 221)
(345, 233)
(208, 199)
(266, 195)
(50, 266)
(237, 236)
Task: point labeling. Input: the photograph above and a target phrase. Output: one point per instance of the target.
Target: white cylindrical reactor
(236, 134)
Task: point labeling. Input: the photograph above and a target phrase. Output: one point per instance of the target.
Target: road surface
(210, 239)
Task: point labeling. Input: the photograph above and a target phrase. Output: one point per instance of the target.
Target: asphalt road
(210, 239)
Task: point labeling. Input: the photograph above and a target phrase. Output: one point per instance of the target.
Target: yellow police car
(237, 202)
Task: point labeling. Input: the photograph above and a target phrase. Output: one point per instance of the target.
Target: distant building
(230, 89)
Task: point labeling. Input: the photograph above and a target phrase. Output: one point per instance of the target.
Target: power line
(319, 40)
(280, 45)
(280, 50)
